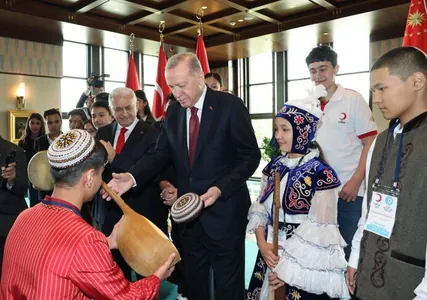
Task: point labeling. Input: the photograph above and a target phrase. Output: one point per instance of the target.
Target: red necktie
(194, 133)
(121, 140)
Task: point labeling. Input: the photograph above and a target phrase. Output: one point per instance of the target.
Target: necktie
(121, 140)
(194, 133)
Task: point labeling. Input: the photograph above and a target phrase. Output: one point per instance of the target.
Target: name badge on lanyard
(383, 207)
(382, 211)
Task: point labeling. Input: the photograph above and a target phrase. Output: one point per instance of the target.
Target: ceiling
(231, 29)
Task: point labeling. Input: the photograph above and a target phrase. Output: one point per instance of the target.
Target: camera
(96, 81)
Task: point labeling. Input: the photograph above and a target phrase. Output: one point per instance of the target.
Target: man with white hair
(126, 140)
(209, 139)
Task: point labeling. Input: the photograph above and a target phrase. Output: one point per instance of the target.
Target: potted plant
(270, 152)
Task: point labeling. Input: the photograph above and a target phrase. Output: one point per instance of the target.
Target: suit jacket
(12, 202)
(41, 143)
(226, 155)
(146, 200)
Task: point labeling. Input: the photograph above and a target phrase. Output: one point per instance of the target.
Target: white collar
(293, 162)
(130, 127)
(201, 101)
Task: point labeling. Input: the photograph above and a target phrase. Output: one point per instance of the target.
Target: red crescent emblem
(379, 197)
(343, 116)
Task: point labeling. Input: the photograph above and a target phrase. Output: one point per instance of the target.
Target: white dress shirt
(127, 133)
(421, 290)
(199, 106)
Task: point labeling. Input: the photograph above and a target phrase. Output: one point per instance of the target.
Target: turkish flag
(202, 55)
(416, 26)
(161, 88)
(132, 80)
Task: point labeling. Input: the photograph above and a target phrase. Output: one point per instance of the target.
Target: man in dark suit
(210, 140)
(126, 141)
(54, 124)
(13, 187)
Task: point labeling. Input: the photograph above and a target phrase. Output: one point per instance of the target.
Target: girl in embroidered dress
(311, 258)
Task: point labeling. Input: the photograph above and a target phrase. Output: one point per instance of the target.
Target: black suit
(146, 199)
(226, 155)
(12, 202)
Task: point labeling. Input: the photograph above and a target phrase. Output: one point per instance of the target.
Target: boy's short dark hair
(103, 104)
(322, 53)
(52, 111)
(79, 112)
(403, 62)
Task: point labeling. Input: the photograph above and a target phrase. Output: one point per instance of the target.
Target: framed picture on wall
(17, 122)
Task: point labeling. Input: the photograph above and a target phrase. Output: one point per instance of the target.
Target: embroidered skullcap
(70, 149)
(304, 115)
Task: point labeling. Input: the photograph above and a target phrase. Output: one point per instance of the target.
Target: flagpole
(200, 45)
(132, 80)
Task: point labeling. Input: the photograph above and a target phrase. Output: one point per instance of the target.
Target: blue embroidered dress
(312, 262)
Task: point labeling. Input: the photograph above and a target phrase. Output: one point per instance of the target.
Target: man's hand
(350, 189)
(211, 196)
(169, 193)
(110, 150)
(112, 238)
(350, 279)
(121, 183)
(275, 281)
(164, 271)
(9, 173)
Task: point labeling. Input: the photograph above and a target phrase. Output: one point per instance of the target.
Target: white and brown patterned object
(187, 208)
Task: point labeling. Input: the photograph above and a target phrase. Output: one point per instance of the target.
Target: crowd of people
(351, 217)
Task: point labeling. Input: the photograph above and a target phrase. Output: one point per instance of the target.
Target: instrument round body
(39, 172)
(187, 208)
(143, 245)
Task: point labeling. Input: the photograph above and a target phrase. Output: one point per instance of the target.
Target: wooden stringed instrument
(280, 293)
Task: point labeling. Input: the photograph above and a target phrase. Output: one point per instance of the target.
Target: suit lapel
(208, 115)
(134, 138)
(113, 133)
(182, 135)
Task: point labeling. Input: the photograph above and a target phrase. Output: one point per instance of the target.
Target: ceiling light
(249, 18)
(241, 20)
(293, 6)
(232, 23)
(204, 7)
(325, 33)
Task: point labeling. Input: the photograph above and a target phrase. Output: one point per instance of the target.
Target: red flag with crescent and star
(201, 54)
(161, 88)
(132, 80)
(416, 26)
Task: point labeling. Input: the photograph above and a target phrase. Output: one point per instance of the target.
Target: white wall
(42, 93)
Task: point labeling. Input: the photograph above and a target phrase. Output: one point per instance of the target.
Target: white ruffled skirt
(313, 260)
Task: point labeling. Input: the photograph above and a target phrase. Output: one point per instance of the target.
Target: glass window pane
(297, 68)
(149, 92)
(116, 63)
(149, 69)
(358, 82)
(298, 88)
(110, 85)
(353, 53)
(261, 98)
(261, 68)
(71, 90)
(74, 59)
(254, 187)
(263, 129)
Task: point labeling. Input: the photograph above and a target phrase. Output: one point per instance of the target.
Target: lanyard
(398, 162)
(51, 201)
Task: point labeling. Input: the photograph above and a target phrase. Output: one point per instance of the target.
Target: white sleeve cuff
(353, 260)
(133, 179)
(9, 186)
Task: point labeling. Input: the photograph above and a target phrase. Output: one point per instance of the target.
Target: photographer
(13, 187)
(95, 86)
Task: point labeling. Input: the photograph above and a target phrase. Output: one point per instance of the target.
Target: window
(261, 98)
(297, 68)
(298, 88)
(358, 82)
(75, 68)
(149, 67)
(353, 53)
(115, 65)
(263, 129)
